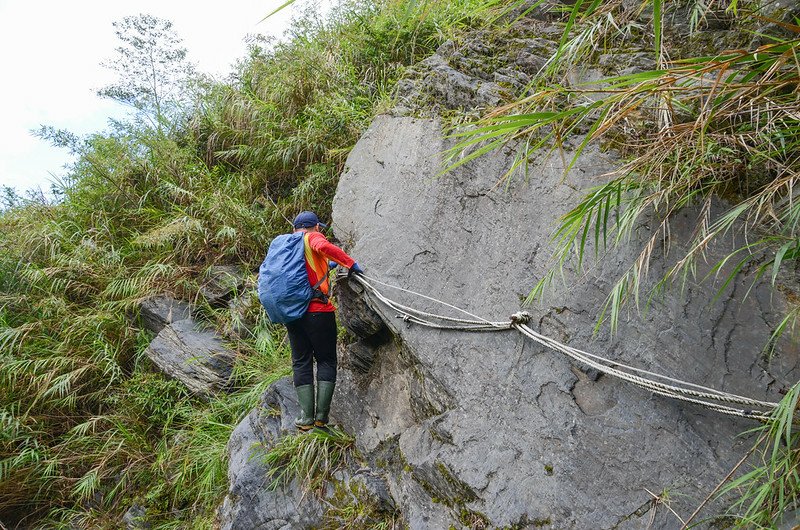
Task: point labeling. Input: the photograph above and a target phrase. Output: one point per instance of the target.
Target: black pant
(313, 337)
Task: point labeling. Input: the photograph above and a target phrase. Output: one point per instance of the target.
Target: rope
(580, 355)
(410, 314)
(666, 386)
(662, 389)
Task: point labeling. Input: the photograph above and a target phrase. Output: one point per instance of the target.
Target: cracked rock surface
(159, 311)
(196, 357)
(251, 503)
(490, 429)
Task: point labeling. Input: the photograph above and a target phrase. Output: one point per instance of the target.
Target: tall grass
(772, 487)
(723, 124)
(310, 458)
(87, 428)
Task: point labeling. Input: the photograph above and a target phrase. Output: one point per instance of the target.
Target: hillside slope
(485, 430)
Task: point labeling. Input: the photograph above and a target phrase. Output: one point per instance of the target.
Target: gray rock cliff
(252, 503)
(492, 429)
(196, 357)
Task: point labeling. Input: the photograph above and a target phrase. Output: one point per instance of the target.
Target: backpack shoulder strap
(316, 292)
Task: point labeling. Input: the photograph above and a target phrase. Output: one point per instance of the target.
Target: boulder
(244, 310)
(159, 311)
(492, 430)
(251, 503)
(221, 283)
(136, 518)
(475, 74)
(196, 357)
(357, 317)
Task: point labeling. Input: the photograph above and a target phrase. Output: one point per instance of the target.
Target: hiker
(311, 325)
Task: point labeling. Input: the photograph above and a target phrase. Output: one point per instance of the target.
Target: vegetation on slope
(694, 129)
(203, 173)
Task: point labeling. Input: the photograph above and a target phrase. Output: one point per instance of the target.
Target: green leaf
(778, 259)
(278, 9)
(657, 19)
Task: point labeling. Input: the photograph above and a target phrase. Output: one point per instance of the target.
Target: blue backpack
(283, 286)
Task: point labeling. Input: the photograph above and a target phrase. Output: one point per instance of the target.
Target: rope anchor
(520, 317)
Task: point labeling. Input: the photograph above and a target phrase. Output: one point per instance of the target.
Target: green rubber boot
(324, 396)
(305, 398)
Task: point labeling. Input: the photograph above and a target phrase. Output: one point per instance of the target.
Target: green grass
(149, 207)
(720, 125)
(771, 488)
(87, 428)
(310, 458)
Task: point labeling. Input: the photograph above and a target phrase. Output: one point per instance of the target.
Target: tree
(152, 66)
(9, 198)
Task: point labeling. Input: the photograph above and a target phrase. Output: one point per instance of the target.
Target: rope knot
(520, 317)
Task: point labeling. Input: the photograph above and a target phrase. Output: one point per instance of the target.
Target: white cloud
(51, 57)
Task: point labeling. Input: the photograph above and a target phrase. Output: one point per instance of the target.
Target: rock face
(135, 518)
(490, 430)
(221, 283)
(198, 358)
(479, 430)
(252, 504)
(160, 311)
(483, 72)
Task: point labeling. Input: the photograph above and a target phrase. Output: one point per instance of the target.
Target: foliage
(310, 458)
(293, 137)
(149, 207)
(354, 507)
(690, 131)
(721, 125)
(772, 487)
(151, 66)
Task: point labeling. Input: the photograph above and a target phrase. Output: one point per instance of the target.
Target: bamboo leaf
(278, 9)
(657, 19)
(778, 259)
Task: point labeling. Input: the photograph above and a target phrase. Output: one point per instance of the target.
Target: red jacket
(318, 252)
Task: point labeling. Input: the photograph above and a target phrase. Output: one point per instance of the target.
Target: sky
(51, 50)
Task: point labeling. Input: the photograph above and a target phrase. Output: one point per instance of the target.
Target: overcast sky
(51, 52)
